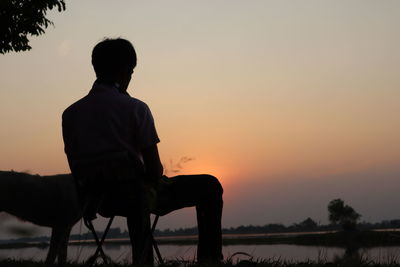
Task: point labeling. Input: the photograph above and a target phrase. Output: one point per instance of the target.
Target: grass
(339, 239)
(355, 262)
(246, 260)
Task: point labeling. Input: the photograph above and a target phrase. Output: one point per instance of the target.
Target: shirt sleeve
(65, 132)
(146, 134)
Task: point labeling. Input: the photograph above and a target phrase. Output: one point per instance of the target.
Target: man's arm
(152, 163)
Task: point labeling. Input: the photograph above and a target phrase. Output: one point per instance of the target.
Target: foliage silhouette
(22, 18)
(307, 225)
(174, 168)
(343, 214)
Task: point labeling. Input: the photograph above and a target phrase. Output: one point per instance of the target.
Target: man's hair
(110, 56)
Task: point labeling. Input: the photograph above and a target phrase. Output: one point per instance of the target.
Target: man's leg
(205, 193)
(139, 233)
(130, 200)
(138, 221)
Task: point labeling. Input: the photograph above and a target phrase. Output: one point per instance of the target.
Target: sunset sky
(290, 103)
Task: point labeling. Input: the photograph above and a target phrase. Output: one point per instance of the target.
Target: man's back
(107, 121)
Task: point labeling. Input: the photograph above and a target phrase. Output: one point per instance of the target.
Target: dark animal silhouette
(50, 201)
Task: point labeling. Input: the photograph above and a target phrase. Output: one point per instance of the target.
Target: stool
(100, 252)
(95, 177)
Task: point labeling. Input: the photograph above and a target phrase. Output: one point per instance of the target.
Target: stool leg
(99, 249)
(153, 241)
(100, 245)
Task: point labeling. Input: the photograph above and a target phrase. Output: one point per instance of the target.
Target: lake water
(122, 253)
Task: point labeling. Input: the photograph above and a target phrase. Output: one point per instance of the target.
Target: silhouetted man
(108, 121)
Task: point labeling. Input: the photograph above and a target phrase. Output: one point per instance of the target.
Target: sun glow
(194, 166)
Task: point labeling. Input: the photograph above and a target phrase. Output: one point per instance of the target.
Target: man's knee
(213, 185)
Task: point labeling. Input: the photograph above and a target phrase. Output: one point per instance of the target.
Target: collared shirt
(107, 121)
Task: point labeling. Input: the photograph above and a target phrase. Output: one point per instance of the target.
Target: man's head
(113, 61)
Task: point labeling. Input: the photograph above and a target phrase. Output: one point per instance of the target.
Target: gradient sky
(290, 103)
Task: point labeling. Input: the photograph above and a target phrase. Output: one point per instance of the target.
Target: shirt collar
(103, 87)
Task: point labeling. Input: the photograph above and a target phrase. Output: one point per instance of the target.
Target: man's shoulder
(73, 107)
(139, 108)
(137, 102)
(127, 102)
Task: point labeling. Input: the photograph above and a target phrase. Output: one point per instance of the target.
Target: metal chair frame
(114, 158)
(99, 253)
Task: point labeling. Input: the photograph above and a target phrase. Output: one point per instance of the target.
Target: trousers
(204, 192)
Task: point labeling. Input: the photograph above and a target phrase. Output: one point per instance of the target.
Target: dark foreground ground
(350, 241)
(244, 263)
